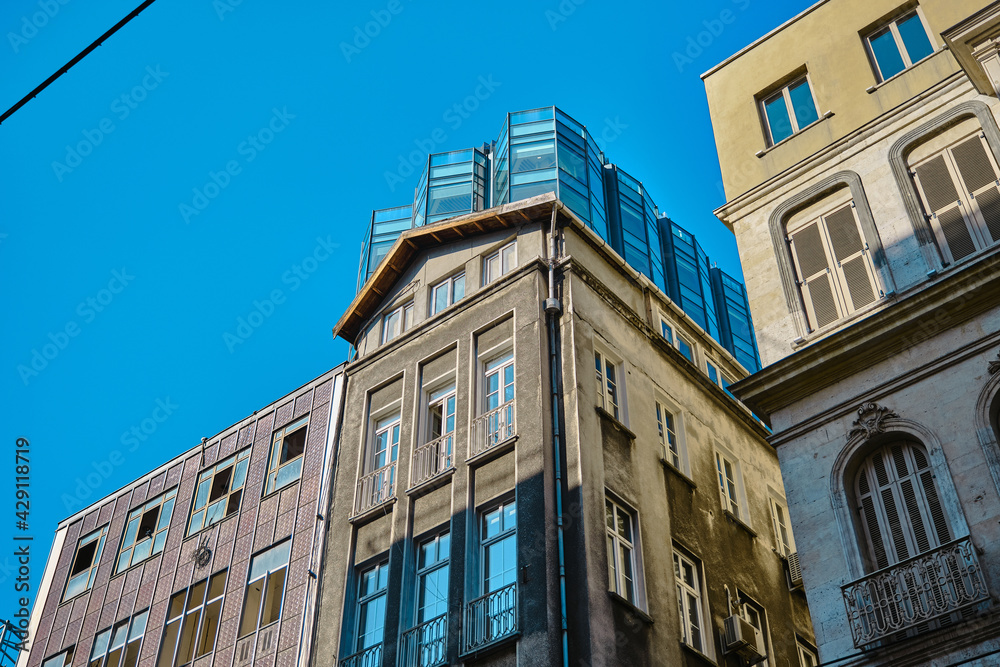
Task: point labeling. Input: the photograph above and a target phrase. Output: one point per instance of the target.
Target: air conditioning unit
(743, 639)
(794, 569)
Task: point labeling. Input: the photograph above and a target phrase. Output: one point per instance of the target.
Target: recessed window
(713, 372)
(427, 642)
(265, 588)
(396, 322)
(807, 654)
(378, 481)
(85, 561)
(782, 528)
(499, 263)
(666, 330)
(731, 485)
(493, 614)
(609, 385)
(64, 659)
(193, 622)
(371, 601)
(671, 446)
(687, 575)
(754, 614)
(146, 531)
(447, 292)
(219, 491)
(788, 110)
(119, 646)
(436, 453)
(901, 43)
(685, 347)
(622, 558)
(287, 449)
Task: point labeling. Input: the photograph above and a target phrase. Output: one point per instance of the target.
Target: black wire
(65, 68)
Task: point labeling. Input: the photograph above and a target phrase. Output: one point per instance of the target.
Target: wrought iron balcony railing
(370, 657)
(432, 459)
(491, 617)
(492, 428)
(426, 645)
(375, 488)
(918, 590)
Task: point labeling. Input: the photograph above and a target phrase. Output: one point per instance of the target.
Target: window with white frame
(85, 562)
(668, 429)
(623, 562)
(898, 44)
(712, 370)
(119, 645)
(832, 260)
(754, 614)
(448, 291)
(686, 347)
(499, 263)
(687, 576)
(265, 589)
(146, 531)
(784, 544)
(62, 659)
(807, 653)
(731, 485)
(666, 329)
(436, 454)
(219, 491)
(788, 110)
(610, 385)
(193, 617)
(288, 448)
(396, 322)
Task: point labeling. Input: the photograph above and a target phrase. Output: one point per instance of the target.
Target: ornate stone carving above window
(870, 421)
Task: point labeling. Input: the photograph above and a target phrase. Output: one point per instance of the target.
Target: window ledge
(631, 608)
(486, 649)
(617, 423)
(428, 485)
(379, 510)
(816, 334)
(701, 657)
(765, 151)
(679, 473)
(493, 452)
(739, 522)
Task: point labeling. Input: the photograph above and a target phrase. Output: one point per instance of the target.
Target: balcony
(493, 428)
(370, 657)
(432, 459)
(426, 645)
(491, 617)
(924, 588)
(375, 488)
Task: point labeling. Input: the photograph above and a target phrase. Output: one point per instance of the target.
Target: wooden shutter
(815, 277)
(852, 257)
(980, 179)
(944, 205)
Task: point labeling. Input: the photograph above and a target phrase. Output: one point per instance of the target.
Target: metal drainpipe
(553, 309)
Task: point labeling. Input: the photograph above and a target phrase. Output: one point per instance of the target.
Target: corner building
(208, 560)
(859, 146)
(539, 465)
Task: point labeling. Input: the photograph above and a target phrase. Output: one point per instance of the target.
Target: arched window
(900, 509)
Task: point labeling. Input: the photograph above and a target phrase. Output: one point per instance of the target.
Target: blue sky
(214, 155)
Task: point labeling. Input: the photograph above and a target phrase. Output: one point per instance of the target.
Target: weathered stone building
(208, 560)
(539, 465)
(859, 145)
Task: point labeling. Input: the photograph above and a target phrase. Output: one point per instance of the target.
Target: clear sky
(212, 153)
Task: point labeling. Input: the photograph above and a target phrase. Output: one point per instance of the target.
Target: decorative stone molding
(994, 365)
(870, 421)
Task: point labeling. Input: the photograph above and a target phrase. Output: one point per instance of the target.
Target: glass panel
(270, 560)
(203, 488)
(142, 550)
(209, 628)
(777, 118)
(185, 650)
(459, 290)
(100, 644)
(528, 157)
(288, 473)
(272, 600)
(911, 29)
(883, 46)
(251, 607)
(802, 103)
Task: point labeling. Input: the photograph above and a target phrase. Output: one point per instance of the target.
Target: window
(64, 659)
(447, 292)
(220, 488)
(386, 444)
(498, 386)
(499, 263)
(666, 330)
(901, 512)
(436, 455)
(265, 588)
(730, 485)
(901, 43)
(493, 614)
(396, 322)
(783, 542)
(85, 561)
(287, 448)
(807, 654)
(427, 643)
(119, 646)
(788, 110)
(372, 585)
(724, 382)
(959, 189)
(688, 579)
(670, 445)
(609, 389)
(193, 622)
(621, 536)
(753, 613)
(146, 531)
(685, 347)
(833, 262)
(496, 423)
(378, 482)
(713, 372)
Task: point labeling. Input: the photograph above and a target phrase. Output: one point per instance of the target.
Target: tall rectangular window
(667, 431)
(193, 617)
(685, 347)
(499, 263)
(448, 291)
(496, 421)
(753, 613)
(219, 491)
(621, 537)
(288, 447)
(788, 110)
(782, 529)
(901, 43)
(426, 645)
(729, 485)
(146, 531)
(378, 480)
(608, 384)
(666, 330)
(688, 580)
(807, 654)
(372, 585)
(119, 646)
(85, 562)
(265, 588)
(493, 615)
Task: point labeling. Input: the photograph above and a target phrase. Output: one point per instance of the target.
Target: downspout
(553, 309)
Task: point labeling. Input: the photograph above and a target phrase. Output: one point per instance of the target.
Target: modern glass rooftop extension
(635, 230)
(735, 326)
(687, 276)
(385, 227)
(451, 184)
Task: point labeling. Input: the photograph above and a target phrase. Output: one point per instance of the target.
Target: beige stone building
(536, 468)
(859, 149)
